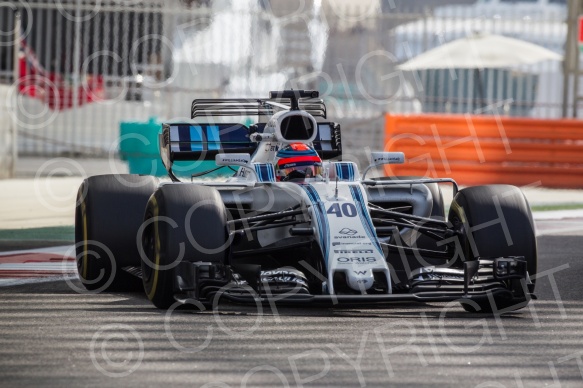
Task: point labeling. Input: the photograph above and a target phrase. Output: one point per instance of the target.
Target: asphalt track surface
(52, 335)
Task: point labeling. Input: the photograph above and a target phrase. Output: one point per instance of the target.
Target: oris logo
(356, 260)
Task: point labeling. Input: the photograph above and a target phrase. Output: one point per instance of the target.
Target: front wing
(480, 280)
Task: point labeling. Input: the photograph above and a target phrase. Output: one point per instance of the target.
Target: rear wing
(253, 107)
(191, 142)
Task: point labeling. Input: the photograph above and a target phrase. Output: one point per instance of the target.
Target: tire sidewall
(108, 212)
(188, 217)
(502, 226)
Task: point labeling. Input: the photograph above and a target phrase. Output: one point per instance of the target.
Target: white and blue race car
(296, 224)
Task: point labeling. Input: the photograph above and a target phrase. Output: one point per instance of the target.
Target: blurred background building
(71, 71)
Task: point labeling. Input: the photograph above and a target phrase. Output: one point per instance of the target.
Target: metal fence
(83, 67)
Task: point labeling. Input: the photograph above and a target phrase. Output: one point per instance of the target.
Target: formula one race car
(297, 224)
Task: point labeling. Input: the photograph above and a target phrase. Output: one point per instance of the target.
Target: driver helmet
(297, 161)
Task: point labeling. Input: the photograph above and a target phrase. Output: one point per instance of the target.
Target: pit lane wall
(477, 150)
(7, 133)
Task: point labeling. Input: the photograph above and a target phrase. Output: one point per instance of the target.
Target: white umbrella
(480, 51)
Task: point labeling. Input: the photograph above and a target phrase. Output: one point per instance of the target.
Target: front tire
(495, 221)
(184, 223)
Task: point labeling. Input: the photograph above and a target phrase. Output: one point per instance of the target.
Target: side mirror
(381, 158)
(242, 160)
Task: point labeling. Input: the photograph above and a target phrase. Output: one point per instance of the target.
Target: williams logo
(348, 232)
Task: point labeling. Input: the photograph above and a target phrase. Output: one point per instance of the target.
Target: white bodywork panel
(345, 233)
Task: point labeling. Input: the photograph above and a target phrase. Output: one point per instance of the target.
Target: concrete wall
(7, 149)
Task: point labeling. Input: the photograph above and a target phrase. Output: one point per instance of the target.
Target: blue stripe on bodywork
(265, 172)
(259, 172)
(365, 216)
(339, 171)
(321, 219)
(195, 138)
(213, 137)
(345, 171)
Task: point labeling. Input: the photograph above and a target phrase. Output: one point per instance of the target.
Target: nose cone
(360, 280)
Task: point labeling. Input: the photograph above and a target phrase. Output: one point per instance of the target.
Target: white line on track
(60, 250)
(65, 267)
(19, 281)
(558, 214)
(562, 226)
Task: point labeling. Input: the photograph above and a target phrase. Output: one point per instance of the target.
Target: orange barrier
(477, 150)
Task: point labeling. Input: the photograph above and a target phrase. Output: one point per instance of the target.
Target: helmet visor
(306, 171)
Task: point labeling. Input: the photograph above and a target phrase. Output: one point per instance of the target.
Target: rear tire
(508, 230)
(108, 214)
(184, 223)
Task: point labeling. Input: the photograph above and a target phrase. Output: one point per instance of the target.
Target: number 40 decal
(347, 209)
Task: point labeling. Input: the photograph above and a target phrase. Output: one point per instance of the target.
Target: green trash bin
(138, 145)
